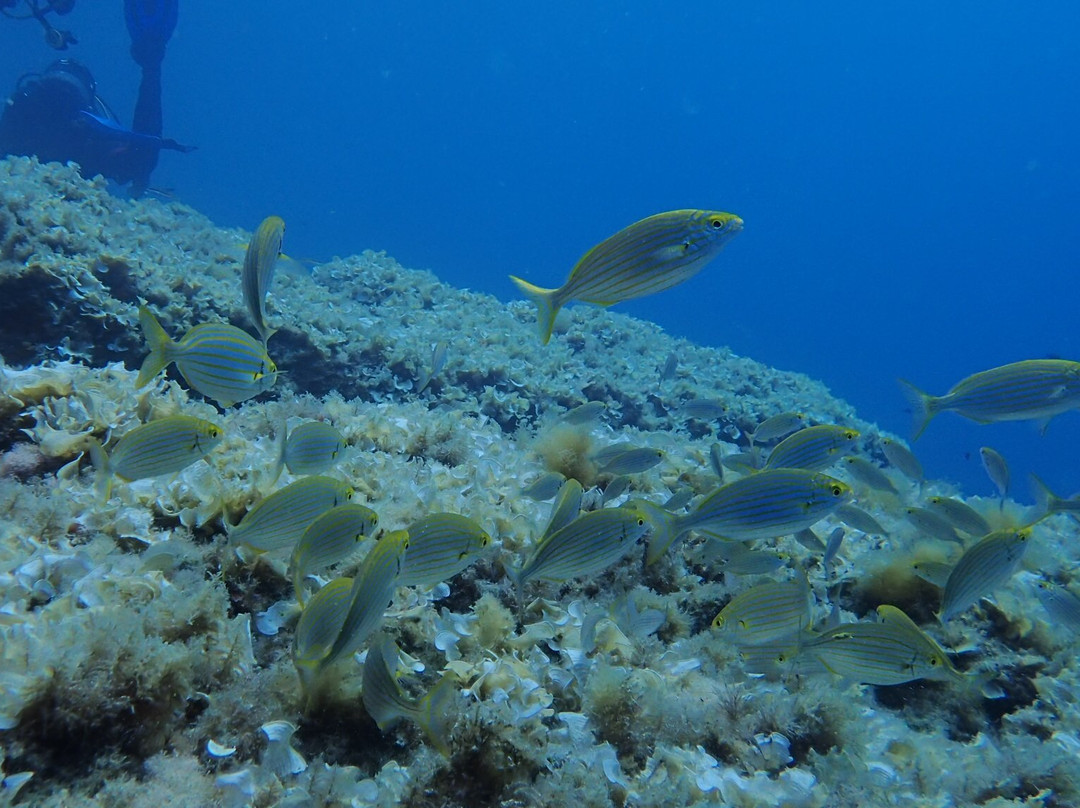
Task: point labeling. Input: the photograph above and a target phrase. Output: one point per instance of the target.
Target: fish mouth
(736, 224)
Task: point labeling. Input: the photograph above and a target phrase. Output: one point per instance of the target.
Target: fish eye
(717, 224)
(934, 662)
(640, 522)
(837, 491)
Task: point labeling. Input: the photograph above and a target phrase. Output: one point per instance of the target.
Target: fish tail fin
(103, 483)
(1045, 500)
(283, 441)
(922, 406)
(159, 343)
(546, 303)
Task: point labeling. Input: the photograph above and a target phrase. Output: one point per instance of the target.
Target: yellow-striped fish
(960, 514)
(766, 505)
(164, 446)
(320, 624)
(883, 653)
(279, 520)
(814, 448)
(216, 359)
(649, 256)
(1032, 389)
(331, 537)
(765, 613)
(372, 591)
(258, 272)
(312, 448)
(387, 703)
(903, 458)
(588, 545)
(1062, 605)
(982, 568)
(440, 546)
(777, 426)
(624, 458)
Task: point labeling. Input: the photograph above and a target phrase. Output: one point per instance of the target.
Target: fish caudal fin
(922, 406)
(546, 304)
(159, 343)
(103, 482)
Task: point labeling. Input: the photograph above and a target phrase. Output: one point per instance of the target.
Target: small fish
(809, 539)
(649, 256)
(765, 613)
(440, 546)
(386, 702)
(859, 519)
(584, 413)
(1032, 389)
(983, 567)
(900, 456)
(372, 590)
(716, 460)
(832, 546)
(438, 360)
(1062, 605)
(164, 446)
(934, 572)
(679, 499)
(960, 514)
(586, 546)
(933, 524)
(321, 620)
(279, 520)
(544, 487)
(216, 359)
(331, 537)
(704, 409)
(312, 448)
(881, 653)
(258, 272)
(814, 448)
(997, 470)
(622, 458)
(671, 364)
(869, 474)
(741, 462)
(777, 426)
(735, 558)
(771, 503)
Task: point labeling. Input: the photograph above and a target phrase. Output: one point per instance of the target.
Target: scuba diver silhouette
(57, 115)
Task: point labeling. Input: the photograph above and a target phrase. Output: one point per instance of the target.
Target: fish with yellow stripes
(219, 360)
(649, 256)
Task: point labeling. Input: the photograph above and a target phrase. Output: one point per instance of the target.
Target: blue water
(909, 176)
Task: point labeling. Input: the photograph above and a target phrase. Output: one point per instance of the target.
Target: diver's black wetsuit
(57, 115)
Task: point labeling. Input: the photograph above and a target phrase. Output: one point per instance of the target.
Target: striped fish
(371, 593)
(960, 514)
(765, 613)
(164, 446)
(997, 469)
(387, 703)
(982, 568)
(933, 524)
(440, 546)
(777, 426)
(623, 458)
(814, 448)
(649, 256)
(586, 546)
(1031, 389)
(902, 457)
(1061, 604)
(279, 520)
(312, 448)
(868, 473)
(320, 623)
(544, 487)
(258, 272)
(860, 520)
(216, 359)
(330, 538)
(883, 653)
(737, 559)
(765, 505)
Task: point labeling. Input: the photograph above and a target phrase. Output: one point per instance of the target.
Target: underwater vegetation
(352, 537)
